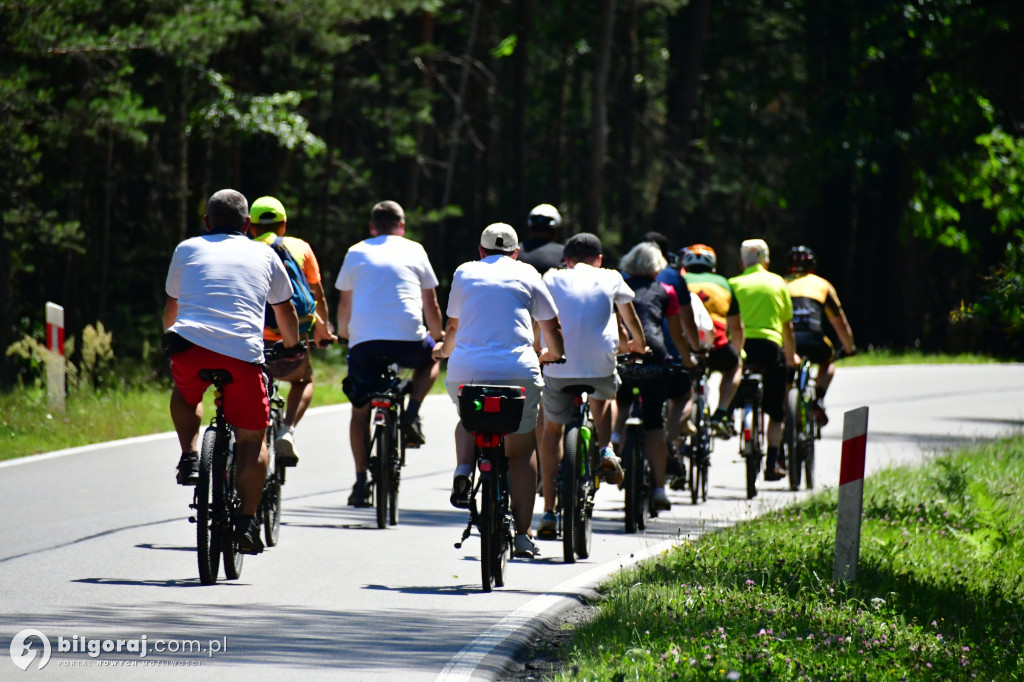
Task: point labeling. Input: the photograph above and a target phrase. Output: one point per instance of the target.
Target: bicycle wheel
(807, 447)
(570, 509)
(793, 435)
(698, 450)
(488, 527)
(396, 461)
(270, 503)
(633, 463)
(503, 537)
(382, 474)
(226, 471)
(207, 544)
(751, 450)
(584, 532)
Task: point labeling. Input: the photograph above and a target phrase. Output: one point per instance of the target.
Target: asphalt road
(96, 546)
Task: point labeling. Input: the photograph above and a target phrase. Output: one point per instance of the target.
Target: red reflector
(492, 403)
(485, 465)
(747, 434)
(381, 403)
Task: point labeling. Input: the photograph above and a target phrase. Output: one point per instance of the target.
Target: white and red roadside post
(55, 364)
(851, 494)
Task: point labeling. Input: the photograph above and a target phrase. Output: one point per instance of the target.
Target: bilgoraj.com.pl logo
(24, 648)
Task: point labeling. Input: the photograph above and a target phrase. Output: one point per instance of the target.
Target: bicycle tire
(633, 482)
(586, 487)
(207, 542)
(271, 500)
(503, 533)
(751, 453)
(398, 451)
(382, 473)
(568, 496)
(698, 450)
(488, 526)
(226, 471)
(807, 453)
(793, 436)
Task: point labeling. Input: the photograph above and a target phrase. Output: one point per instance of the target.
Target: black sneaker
(462, 489)
(247, 534)
(412, 429)
(188, 468)
(723, 427)
(360, 495)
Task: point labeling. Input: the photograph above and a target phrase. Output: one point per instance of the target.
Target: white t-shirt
(387, 276)
(222, 283)
(586, 298)
(494, 300)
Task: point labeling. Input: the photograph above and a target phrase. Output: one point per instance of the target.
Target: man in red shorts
(218, 285)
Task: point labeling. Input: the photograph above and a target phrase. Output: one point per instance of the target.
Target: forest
(887, 136)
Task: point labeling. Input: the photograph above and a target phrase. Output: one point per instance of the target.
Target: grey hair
(227, 208)
(643, 260)
(753, 252)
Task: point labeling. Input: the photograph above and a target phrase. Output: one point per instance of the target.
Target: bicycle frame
(752, 432)
(387, 447)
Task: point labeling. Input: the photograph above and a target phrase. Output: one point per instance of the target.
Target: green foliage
(938, 595)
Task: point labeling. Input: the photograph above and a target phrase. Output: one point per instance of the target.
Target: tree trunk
(520, 57)
(591, 212)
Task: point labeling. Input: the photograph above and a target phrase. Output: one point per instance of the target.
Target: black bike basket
(491, 409)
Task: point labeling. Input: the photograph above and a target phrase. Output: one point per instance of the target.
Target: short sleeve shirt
(222, 284)
(302, 252)
(387, 276)
(765, 305)
(494, 300)
(586, 298)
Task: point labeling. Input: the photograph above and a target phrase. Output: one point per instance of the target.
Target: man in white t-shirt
(388, 288)
(218, 286)
(587, 297)
(489, 339)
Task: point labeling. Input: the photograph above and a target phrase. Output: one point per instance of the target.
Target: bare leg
(522, 477)
(423, 380)
(251, 449)
(187, 420)
(550, 452)
(604, 413)
(657, 455)
(359, 435)
(300, 395)
(727, 389)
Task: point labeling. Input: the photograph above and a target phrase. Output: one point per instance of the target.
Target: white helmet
(545, 216)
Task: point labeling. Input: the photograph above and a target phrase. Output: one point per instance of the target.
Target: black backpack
(302, 295)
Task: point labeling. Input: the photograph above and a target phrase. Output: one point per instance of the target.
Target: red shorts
(245, 399)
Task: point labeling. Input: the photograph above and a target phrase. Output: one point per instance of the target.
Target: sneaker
(819, 412)
(188, 468)
(659, 500)
(547, 529)
(462, 490)
(723, 427)
(774, 473)
(412, 429)
(524, 547)
(611, 467)
(360, 495)
(285, 449)
(247, 535)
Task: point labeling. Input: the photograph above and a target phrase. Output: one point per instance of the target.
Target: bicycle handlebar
(279, 351)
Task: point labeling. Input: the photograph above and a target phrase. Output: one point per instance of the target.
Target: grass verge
(939, 592)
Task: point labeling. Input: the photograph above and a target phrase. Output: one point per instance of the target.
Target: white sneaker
(610, 468)
(660, 499)
(524, 548)
(284, 446)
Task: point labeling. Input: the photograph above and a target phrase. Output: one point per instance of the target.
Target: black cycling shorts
(767, 355)
(815, 346)
(368, 359)
(653, 392)
(723, 359)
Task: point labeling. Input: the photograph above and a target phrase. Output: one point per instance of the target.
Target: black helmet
(802, 259)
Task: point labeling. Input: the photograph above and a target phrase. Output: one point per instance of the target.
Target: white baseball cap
(499, 237)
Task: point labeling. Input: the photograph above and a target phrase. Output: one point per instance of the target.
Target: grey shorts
(530, 409)
(558, 406)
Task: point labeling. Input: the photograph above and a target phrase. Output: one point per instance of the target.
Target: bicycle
(577, 483)
(752, 433)
(387, 445)
(489, 413)
(638, 482)
(801, 427)
(216, 500)
(699, 445)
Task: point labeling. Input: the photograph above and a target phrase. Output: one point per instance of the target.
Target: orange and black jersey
(813, 300)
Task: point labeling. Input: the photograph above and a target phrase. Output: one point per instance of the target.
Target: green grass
(139, 406)
(884, 356)
(938, 596)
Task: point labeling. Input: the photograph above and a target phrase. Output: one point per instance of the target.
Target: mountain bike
(801, 427)
(699, 445)
(577, 482)
(216, 500)
(387, 445)
(489, 413)
(752, 434)
(638, 482)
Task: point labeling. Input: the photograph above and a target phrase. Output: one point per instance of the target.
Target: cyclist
(767, 313)
(218, 285)
(655, 302)
(587, 297)
(388, 289)
(815, 299)
(700, 263)
(541, 249)
(267, 213)
(489, 339)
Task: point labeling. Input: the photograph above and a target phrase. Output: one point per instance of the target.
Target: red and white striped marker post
(55, 369)
(851, 494)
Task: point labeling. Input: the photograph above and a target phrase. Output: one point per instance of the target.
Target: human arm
(321, 330)
(734, 324)
(445, 348)
(170, 312)
(344, 312)
(843, 330)
(631, 321)
(432, 314)
(678, 336)
(287, 322)
(789, 344)
(555, 349)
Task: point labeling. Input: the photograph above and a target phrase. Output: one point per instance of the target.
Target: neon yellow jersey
(764, 301)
